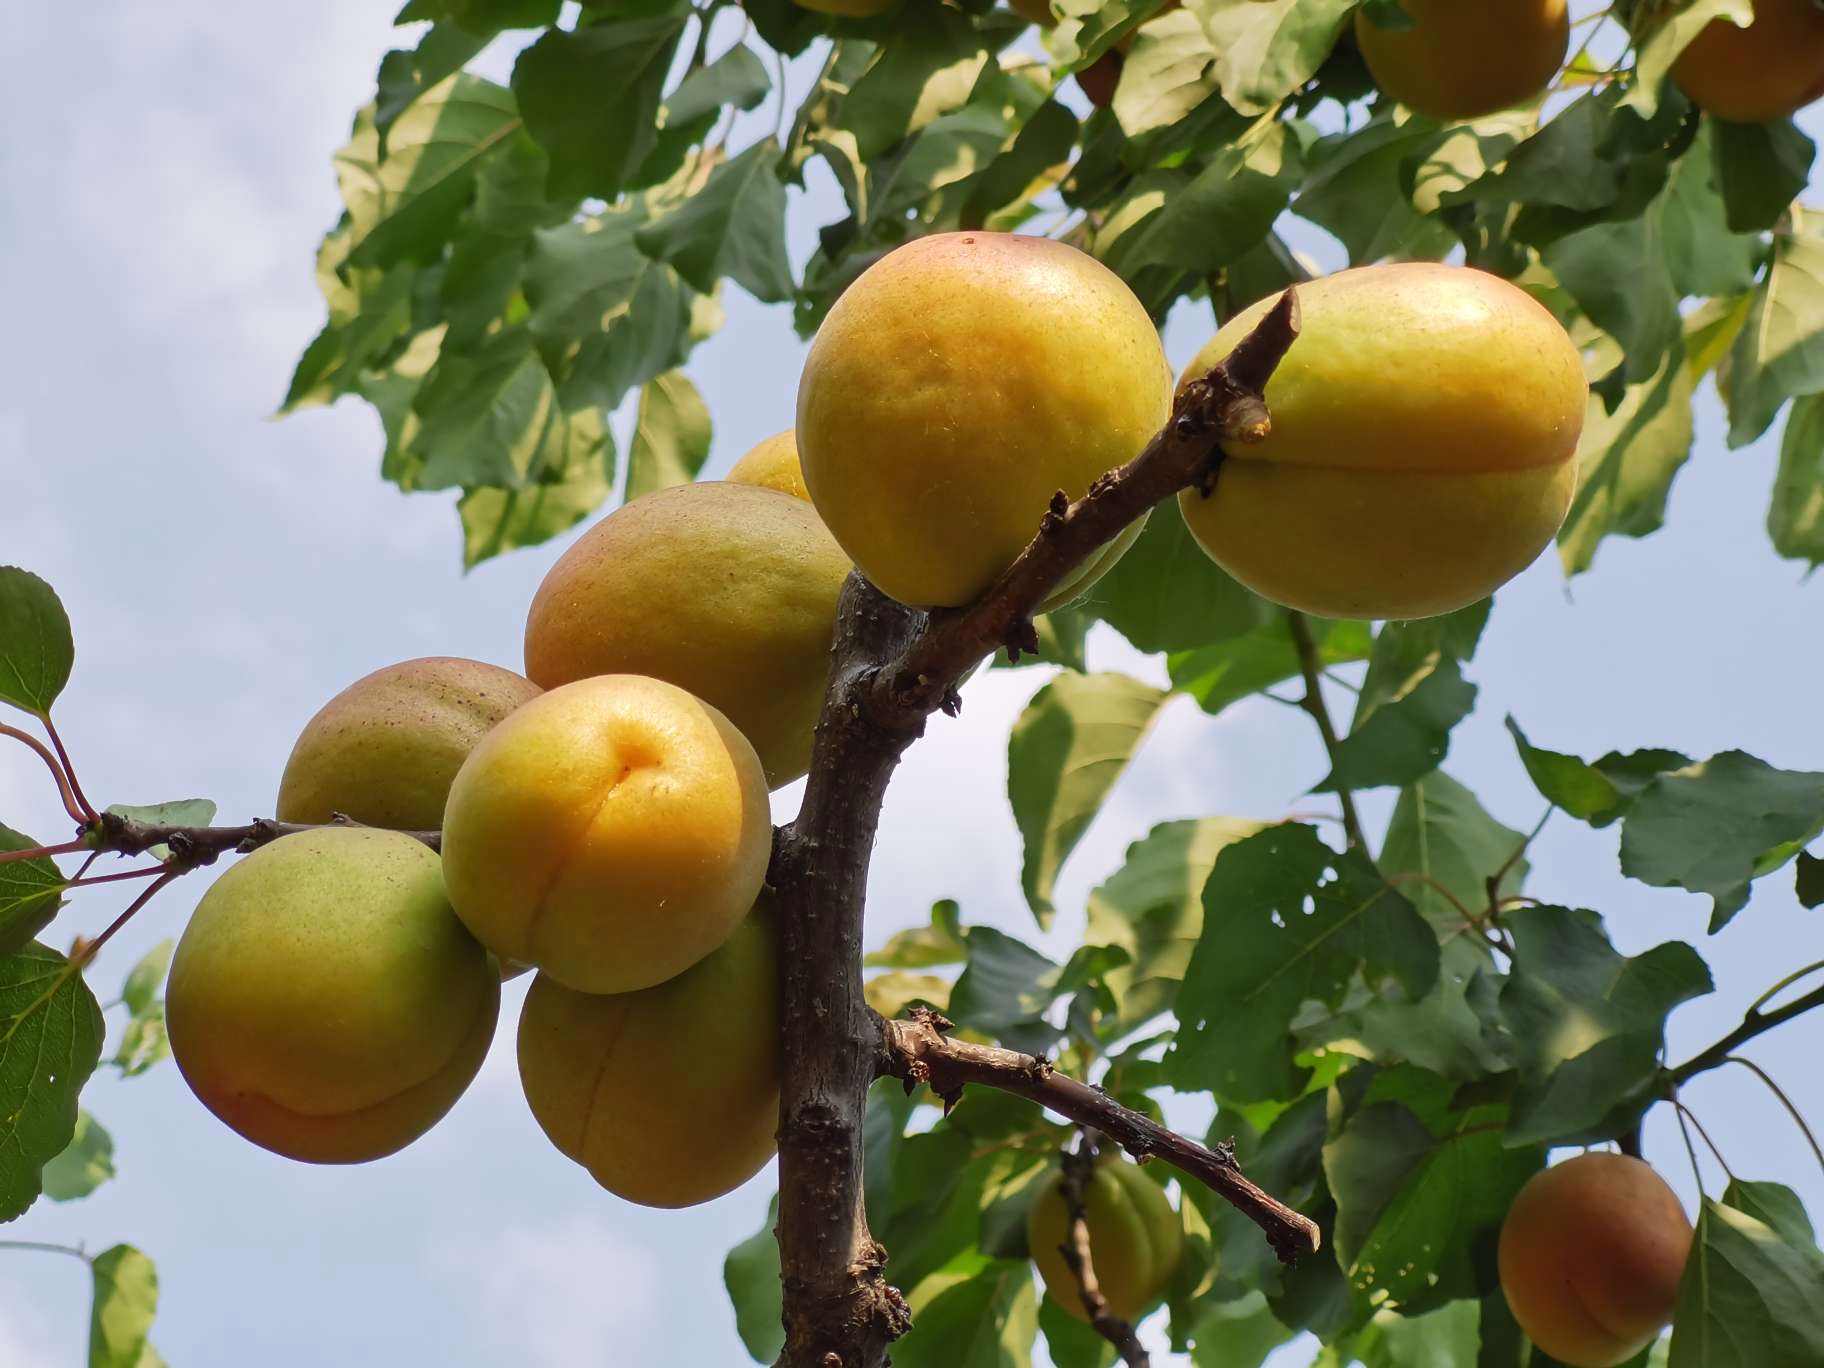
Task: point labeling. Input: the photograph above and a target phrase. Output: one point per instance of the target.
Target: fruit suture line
(1078, 1167)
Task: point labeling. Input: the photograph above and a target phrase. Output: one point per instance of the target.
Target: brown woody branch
(195, 846)
(919, 1051)
(1079, 1166)
(891, 667)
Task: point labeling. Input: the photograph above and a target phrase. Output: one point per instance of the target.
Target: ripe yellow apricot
(726, 590)
(1423, 450)
(325, 1002)
(1135, 1239)
(669, 1096)
(773, 464)
(1772, 68)
(958, 383)
(611, 833)
(1590, 1258)
(1463, 60)
(384, 750)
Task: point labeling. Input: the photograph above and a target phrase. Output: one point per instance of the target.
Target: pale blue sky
(167, 177)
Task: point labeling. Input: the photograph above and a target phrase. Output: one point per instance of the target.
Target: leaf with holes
(50, 1041)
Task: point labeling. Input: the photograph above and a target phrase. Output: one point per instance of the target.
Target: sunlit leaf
(50, 1041)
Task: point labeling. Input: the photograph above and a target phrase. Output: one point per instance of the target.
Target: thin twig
(43, 852)
(1311, 667)
(87, 950)
(1499, 877)
(144, 872)
(45, 1247)
(917, 1050)
(1079, 1167)
(1792, 1110)
(1691, 1116)
(50, 730)
(195, 846)
(1754, 1022)
(65, 789)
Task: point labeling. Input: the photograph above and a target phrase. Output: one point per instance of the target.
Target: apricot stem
(1785, 1101)
(1079, 1166)
(65, 785)
(50, 729)
(1313, 702)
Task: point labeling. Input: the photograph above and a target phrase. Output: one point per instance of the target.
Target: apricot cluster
(604, 819)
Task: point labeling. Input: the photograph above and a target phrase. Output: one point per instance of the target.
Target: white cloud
(23, 1341)
(559, 1295)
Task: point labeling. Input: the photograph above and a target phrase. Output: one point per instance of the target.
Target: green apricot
(324, 1000)
(384, 750)
(1135, 1239)
(669, 1096)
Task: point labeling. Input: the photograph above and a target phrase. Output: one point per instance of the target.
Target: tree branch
(1754, 1023)
(891, 667)
(195, 846)
(917, 1050)
(1313, 702)
(1079, 1167)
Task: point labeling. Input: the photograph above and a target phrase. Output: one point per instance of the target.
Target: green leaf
(1228, 207)
(482, 16)
(1357, 190)
(126, 1300)
(1618, 274)
(1779, 354)
(975, 1312)
(403, 204)
(85, 1164)
(1795, 519)
(50, 1042)
(1707, 253)
(1152, 908)
(1752, 1287)
(1598, 792)
(1068, 748)
(496, 520)
(1168, 72)
(1166, 594)
(1062, 633)
(1627, 461)
(928, 70)
(1217, 676)
(1407, 736)
(939, 943)
(736, 79)
(751, 1274)
(1588, 1024)
(1070, 1342)
(1449, 1337)
(1715, 826)
(671, 437)
(1417, 1196)
(1286, 921)
(31, 893)
(1237, 1334)
(407, 73)
(1008, 987)
(1269, 47)
(1760, 168)
(734, 226)
(1810, 880)
(140, 991)
(144, 1043)
(36, 651)
(607, 317)
(591, 99)
(1442, 835)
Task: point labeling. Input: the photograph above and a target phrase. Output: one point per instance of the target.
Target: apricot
(1772, 68)
(612, 833)
(669, 1096)
(384, 750)
(1425, 428)
(726, 590)
(1591, 1256)
(959, 383)
(324, 1001)
(1135, 1239)
(1461, 61)
(773, 464)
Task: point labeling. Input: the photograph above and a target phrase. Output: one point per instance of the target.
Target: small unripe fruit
(384, 750)
(723, 589)
(1462, 59)
(669, 1096)
(325, 1002)
(773, 464)
(956, 386)
(612, 833)
(1135, 1239)
(1422, 453)
(1772, 68)
(1591, 1256)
